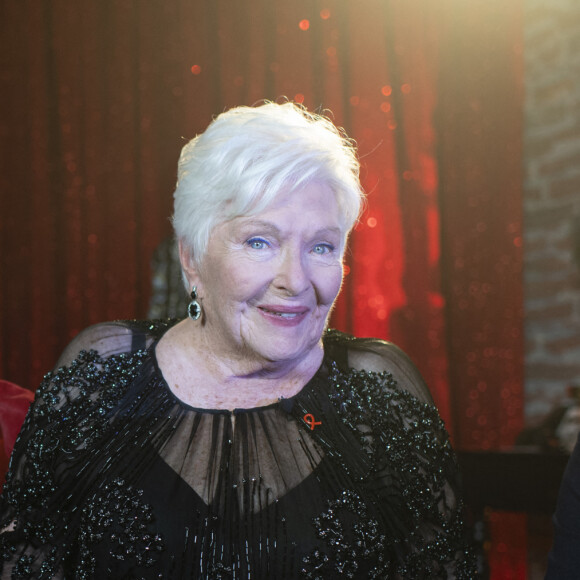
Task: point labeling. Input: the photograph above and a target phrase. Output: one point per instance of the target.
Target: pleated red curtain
(98, 97)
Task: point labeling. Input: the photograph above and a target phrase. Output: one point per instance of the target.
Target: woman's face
(268, 281)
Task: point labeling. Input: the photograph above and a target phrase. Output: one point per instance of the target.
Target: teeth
(284, 314)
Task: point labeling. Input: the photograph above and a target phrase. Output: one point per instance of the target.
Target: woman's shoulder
(114, 338)
(375, 355)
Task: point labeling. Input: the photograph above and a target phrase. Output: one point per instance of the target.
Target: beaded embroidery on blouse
(383, 502)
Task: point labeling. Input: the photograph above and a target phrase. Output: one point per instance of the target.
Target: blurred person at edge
(246, 440)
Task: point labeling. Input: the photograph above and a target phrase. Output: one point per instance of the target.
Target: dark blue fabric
(564, 558)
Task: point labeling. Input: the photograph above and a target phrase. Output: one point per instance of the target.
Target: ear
(188, 264)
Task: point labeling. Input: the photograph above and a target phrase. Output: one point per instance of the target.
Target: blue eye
(257, 243)
(323, 249)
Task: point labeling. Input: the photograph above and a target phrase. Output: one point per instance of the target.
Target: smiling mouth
(285, 315)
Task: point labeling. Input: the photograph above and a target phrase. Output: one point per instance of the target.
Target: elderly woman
(245, 441)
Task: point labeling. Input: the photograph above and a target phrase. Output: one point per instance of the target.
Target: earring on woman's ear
(194, 307)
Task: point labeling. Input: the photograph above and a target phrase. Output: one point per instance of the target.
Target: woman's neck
(204, 379)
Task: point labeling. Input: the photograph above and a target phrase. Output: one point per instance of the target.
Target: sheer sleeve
(413, 460)
(107, 339)
(374, 355)
(36, 507)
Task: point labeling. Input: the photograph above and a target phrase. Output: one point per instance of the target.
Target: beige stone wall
(551, 201)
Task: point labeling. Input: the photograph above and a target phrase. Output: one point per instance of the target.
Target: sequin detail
(71, 406)
(113, 476)
(345, 558)
(407, 474)
(118, 516)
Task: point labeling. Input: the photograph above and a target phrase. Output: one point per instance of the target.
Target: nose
(292, 273)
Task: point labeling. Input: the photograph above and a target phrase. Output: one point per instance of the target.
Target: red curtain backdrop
(98, 97)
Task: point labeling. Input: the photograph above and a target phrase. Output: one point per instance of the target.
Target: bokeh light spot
(196, 69)
(304, 24)
(385, 107)
(386, 90)
(325, 14)
(406, 88)
(299, 98)
(372, 222)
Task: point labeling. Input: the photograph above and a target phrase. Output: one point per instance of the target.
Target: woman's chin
(296, 348)
(275, 339)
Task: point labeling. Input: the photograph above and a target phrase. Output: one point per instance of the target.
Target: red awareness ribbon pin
(309, 420)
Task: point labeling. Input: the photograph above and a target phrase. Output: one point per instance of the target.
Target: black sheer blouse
(113, 476)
